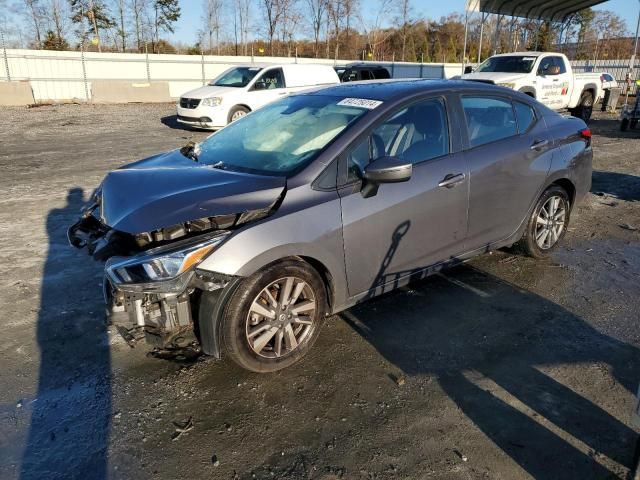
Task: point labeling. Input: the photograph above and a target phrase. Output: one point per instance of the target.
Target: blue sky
(191, 21)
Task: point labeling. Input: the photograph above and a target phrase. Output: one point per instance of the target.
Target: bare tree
(59, 19)
(403, 22)
(243, 10)
(121, 31)
(212, 20)
(35, 12)
(289, 24)
(317, 10)
(372, 28)
(273, 12)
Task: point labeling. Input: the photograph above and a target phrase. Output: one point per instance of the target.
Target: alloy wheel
(550, 222)
(281, 317)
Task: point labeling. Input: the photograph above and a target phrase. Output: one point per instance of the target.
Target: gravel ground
(504, 368)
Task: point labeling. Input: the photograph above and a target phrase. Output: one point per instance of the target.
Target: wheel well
(241, 105)
(529, 93)
(568, 187)
(591, 91)
(324, 273)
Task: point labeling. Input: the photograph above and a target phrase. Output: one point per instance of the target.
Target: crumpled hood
(169, 189)
(495, 77)
(209, 91)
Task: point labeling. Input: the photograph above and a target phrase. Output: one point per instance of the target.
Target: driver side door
(268, 87)
(406, 227)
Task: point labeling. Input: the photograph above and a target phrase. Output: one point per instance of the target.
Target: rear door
(406, 226)
(509, 155)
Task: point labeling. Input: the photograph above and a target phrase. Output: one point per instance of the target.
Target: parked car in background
(325, 199)
(545, 76)
(240, 90)
(355, 72)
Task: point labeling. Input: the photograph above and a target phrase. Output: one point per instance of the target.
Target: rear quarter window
(525, 116)
(489, 119)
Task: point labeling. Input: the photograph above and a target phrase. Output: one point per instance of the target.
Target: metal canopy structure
(543, 10)
(549, 10)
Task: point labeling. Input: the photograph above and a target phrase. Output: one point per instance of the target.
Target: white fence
(64, 76)
(617, 68)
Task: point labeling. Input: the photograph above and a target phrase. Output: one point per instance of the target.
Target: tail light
(585, 133)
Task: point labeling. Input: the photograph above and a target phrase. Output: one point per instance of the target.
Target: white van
(241, 89)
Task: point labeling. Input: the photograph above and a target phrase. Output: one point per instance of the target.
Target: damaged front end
(154, 223)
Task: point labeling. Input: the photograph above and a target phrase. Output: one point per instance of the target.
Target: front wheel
(274, 317)
(236, 113)
(548, 223)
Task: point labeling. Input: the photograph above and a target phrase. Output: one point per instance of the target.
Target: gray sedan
(245, 242)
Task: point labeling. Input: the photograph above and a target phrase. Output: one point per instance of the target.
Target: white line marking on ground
(459, 283)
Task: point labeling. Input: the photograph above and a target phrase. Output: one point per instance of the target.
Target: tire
(624, 125)
(585, 108)
(530, 242)
(236, 113)
(250, 339)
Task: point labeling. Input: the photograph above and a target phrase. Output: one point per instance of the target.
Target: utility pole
(632, 62)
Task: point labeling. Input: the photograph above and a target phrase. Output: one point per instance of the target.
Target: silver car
(245, 242)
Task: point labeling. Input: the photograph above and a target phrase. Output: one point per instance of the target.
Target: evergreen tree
(54, 42)
(167, 12)
(91, 16)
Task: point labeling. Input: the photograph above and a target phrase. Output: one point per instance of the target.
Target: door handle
(452, 180)
(282, 93)
(538, 144)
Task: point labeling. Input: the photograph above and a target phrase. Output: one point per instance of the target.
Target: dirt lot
(505, 368)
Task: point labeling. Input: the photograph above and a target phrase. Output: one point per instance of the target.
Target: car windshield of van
(282, 137)
(510, 64)
(236, 77)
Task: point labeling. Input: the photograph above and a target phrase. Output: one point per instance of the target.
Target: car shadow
(620, 185)
(171, 121)
(610, 128)
(71, 413)
(496, 351)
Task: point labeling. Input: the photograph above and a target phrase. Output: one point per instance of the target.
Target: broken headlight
(164, 266)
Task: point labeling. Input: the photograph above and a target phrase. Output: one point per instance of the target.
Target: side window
(366, 75)
(416, 133)
(545, 63)
(381, 73)
(559, 62)
(525, 115)
(488, 119)
(272, 79)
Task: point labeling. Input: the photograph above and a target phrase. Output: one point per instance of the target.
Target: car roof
(385, 90)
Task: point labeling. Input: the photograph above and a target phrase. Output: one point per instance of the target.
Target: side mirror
(260, 85)
(553, 70)
(385, 170)
(468, 69)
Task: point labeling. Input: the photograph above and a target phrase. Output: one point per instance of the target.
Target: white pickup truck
(546, 76)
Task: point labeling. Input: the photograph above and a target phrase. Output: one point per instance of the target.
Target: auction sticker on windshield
(360, 102)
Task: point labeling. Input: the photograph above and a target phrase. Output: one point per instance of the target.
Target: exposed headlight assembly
(165, 269)
(211, 101)
(507, 85)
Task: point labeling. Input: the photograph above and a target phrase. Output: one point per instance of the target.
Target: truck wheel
(547, 224)
(237, 112)
(585, 108)
(624, 124)
(274, 317)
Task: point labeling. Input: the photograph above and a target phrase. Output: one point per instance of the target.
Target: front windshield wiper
(190, 150)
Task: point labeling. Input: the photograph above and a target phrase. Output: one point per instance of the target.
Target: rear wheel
(585, 108)
(548, 223)
(274, 317)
